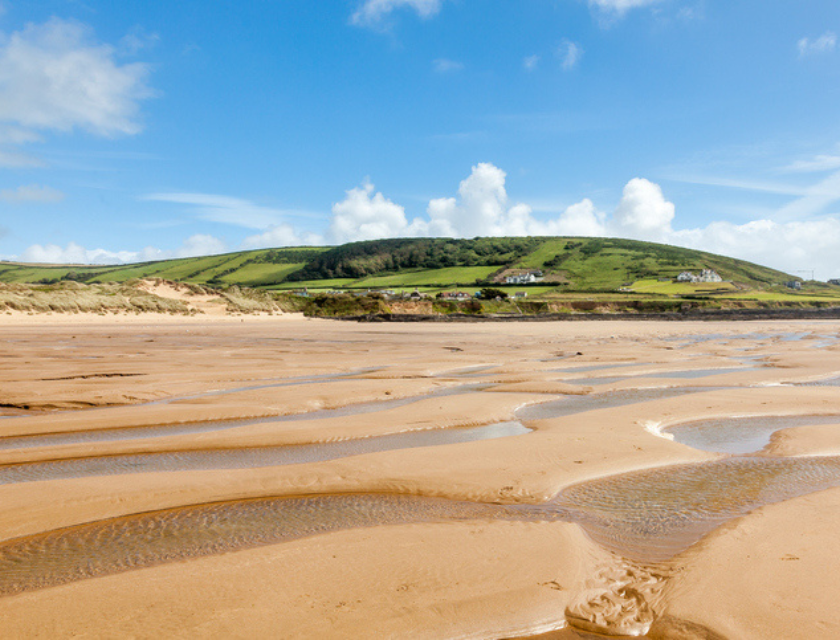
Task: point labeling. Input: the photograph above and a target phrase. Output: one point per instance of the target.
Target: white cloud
(31, 193)
(581, 219)
(18, 160)
(365, 215)
(824, 44)
(281, 235)
(16, 135)
(229, 210)
(530, 62)
(53, 77)
(814, 200)
(372, 13)
(137, 40)
(789, 247)
(814, 165)
(482, 208)
(570, 54)
(620, 7)
(444, 65)
(73, 253)
(643, 212)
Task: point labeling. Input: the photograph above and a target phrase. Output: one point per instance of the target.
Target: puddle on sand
(825, 382)
(688, 374)
(595, 381)
(570, 405)
(133, 433)
(250, 458)
(739, 435)
(600, 367)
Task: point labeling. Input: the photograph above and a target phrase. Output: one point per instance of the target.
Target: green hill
(568, 264)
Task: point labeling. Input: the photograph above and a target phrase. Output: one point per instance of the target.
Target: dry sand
(770, 573)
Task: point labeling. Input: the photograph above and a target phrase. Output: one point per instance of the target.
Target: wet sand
(134, 391)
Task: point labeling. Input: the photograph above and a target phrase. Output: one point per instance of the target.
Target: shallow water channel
(646, 516)
(250, 457)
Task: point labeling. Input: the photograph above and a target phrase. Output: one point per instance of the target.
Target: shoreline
(725, 315)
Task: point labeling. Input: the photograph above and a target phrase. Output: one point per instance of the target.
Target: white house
(455, 295)
(706, 275)
(524, 278)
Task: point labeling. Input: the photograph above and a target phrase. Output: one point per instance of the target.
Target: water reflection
(740, 435)
(249, 458)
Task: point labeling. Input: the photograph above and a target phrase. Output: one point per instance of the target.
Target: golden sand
(761, 573)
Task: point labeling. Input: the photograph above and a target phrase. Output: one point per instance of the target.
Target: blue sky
(160, 129)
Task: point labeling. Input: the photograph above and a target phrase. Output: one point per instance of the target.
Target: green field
(682, 288)
(590, 266)
(429, 277)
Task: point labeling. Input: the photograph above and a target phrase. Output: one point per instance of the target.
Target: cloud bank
(481, 206)
(73, 253)
(54, 77)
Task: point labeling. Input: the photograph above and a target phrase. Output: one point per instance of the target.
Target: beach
(125, 417)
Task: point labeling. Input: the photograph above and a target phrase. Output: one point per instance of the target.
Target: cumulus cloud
(73, 253)
(643, 212)
(373, 13)
(824, 44)
(54, 77)
(482, 207)
(281, 235)
(31, 193)
(581, 219)
(365, 215)
(570, 54)
(788, 246)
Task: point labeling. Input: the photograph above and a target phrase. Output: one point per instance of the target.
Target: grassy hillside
(569, 264)
(580, 264)
(252, 268)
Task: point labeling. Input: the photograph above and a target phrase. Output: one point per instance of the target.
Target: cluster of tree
(360, 259)
(285, 256)
(70, 276)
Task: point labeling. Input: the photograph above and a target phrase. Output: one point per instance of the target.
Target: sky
(160, 129)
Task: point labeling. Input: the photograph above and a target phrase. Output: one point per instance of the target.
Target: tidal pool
(687, 374)
(740, 435)
(571, 405)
